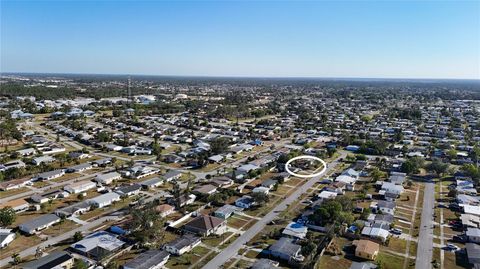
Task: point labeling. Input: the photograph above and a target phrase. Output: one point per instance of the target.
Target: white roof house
(295, 230)
(325, 195)
(392, 188)
(471, 209)
(104, 199)
(79, 187)
(346, 179)
(107, 178)
(98, 242)
(6, 237)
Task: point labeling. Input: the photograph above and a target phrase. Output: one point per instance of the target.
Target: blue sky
(378, 39)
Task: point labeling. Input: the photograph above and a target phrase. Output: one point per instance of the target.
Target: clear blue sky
(379, 39)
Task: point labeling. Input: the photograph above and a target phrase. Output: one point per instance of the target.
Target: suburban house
(79, 187)
(150, 259)
(470, 221)
(225, 211)
(263, 190)
(19, 205)
(269, 183)
(26, 152)
(104, 199)
(43, 159)
(97, 245)
(378, 231)
(206, 189)
(386, 207)
(14, 184)
(182, 244)
(50, 175)
(285, 249)
(48, 196)
(295, 230)
(38, 224)
(12, 164)
(473, 235)
(183, 200)
(366, 249)
(56, 259)
(151, 183)
(221, 182)
(205, 225)
(326, 195)
(473, 254)
(107, 178)
(129, 190)
(6, 237)
(172, 175)
(245, 202)
(73, 210)
(264, 264)
(390, 190)
(79, 168)
(102, 162)
(165, 210)
(138, 172)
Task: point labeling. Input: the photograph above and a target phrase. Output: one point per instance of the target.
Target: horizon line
(242, 76)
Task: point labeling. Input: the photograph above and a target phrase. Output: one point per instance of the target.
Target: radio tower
(129, 91)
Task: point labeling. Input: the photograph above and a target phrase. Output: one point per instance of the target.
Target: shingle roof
(148, 259)
(205, 222)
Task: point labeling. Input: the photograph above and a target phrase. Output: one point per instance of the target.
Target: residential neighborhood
(198, 178)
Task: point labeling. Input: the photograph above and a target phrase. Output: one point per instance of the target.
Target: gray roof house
(57, 259)
(150, 259)
(182, 244)
(40, 223)
(226, 211)
(286, 249)
(150, 183)
(473, 254)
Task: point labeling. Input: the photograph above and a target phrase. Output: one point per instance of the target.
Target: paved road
(233, 248)
(54, 240)
(425, 239)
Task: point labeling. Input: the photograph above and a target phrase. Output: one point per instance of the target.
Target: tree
(147, 226)
(437, 166)
(16, 259)
(472, 171)
(7, 216)
(412, 165)
(452, 154)
(260, 198)
(219, 145)
(80, 264)
(77, 236)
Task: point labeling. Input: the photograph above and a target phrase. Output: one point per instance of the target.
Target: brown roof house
(205, 225)
(366, 249)
(165, 210)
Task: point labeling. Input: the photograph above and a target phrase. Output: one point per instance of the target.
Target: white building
(104, 199)
(79, 187)
(107, 178)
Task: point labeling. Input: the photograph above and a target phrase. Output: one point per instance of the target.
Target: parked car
(396, 231)
(452, 247)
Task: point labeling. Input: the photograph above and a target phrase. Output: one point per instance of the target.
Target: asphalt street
(425, 238)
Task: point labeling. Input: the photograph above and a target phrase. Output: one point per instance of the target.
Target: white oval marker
(306, 157)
